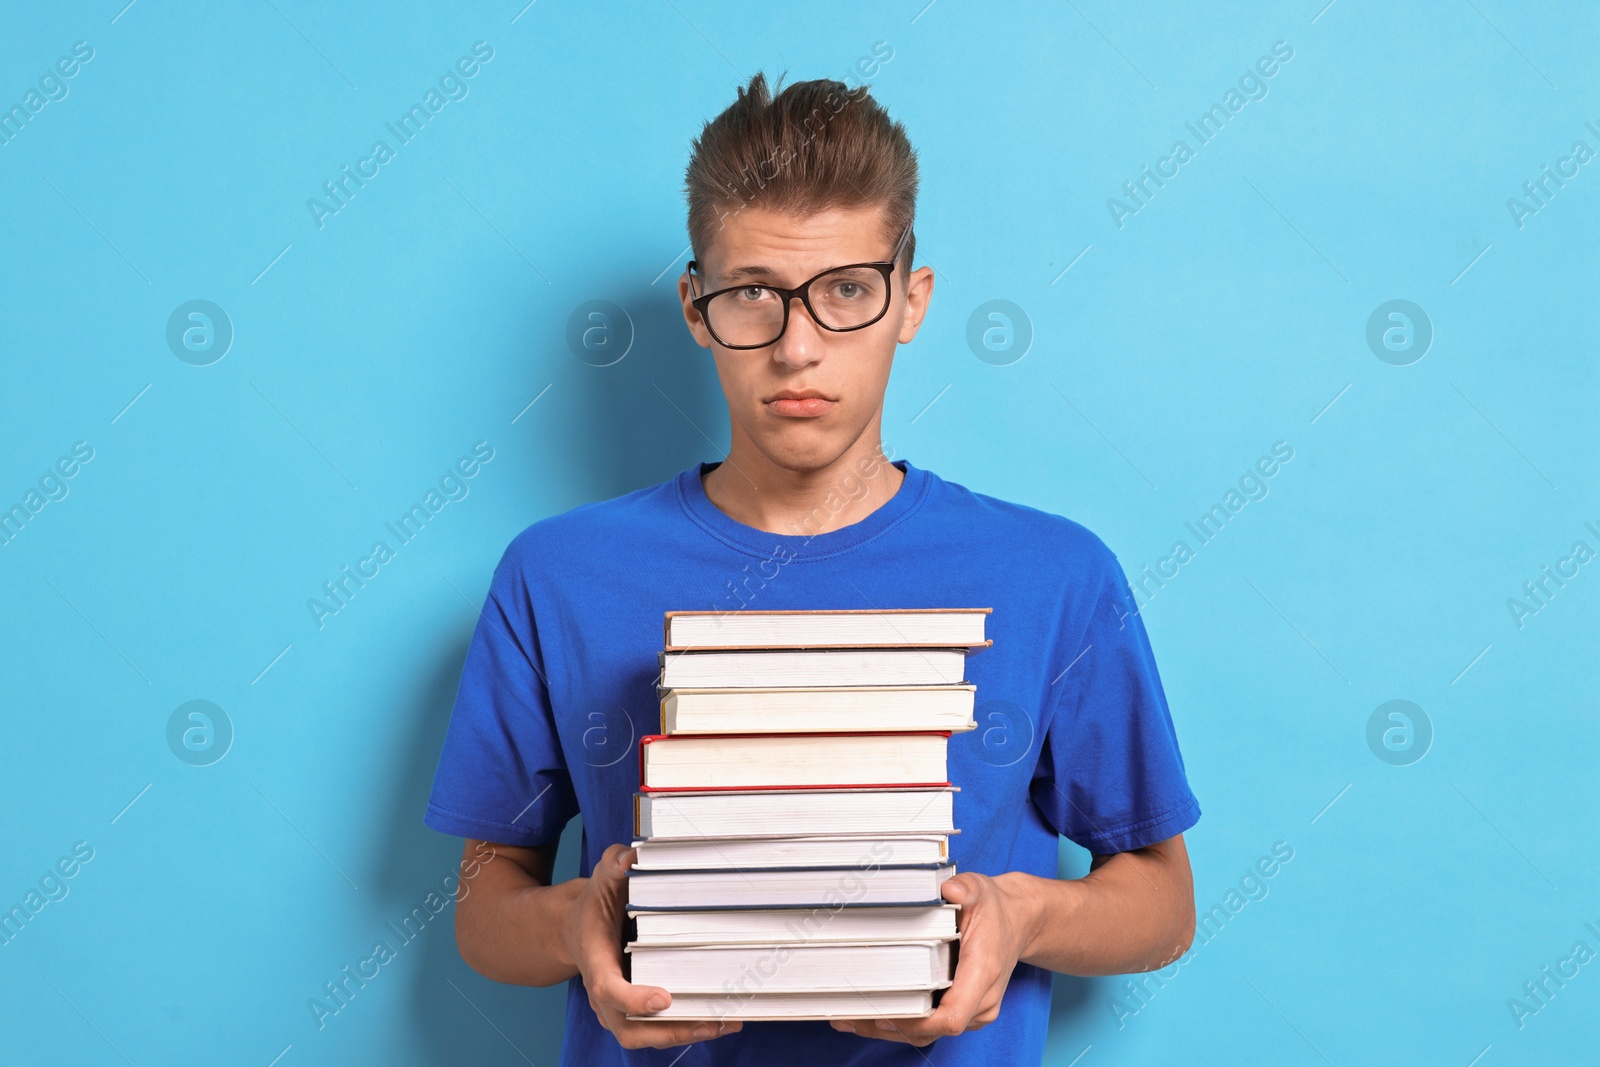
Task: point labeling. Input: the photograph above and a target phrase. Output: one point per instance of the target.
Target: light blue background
(1229, 313)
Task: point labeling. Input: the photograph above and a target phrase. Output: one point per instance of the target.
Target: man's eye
(848, 290)
(751, 293)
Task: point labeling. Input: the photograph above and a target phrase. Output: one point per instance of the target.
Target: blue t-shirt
(1074, 736)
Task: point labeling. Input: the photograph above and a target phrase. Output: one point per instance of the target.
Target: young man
(807, 511)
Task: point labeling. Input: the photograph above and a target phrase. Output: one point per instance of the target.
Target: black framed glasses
(851, 297)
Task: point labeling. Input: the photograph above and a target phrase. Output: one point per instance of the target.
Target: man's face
(845, 373)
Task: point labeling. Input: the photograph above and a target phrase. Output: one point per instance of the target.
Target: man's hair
(816, 145)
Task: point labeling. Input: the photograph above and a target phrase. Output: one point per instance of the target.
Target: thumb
(956, 891)
(619, 994)
(614, 863)
(602, 977)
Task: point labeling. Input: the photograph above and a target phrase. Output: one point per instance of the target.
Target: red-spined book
(793, 761)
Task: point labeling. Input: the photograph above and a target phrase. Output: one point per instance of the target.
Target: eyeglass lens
(843, 299)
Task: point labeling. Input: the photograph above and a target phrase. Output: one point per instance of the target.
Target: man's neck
(751, 489)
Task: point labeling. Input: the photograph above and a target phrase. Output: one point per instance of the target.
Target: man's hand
(1133, 911)
(513, 925)
(997, 915)
(593, 938)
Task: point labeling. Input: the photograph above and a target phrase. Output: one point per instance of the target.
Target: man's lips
(803, 407)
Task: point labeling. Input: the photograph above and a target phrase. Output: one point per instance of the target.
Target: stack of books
(793, 816)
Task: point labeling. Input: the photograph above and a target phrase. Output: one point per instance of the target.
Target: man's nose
(801, 340)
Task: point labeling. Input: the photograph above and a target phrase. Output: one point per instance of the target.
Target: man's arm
(506, 910)
(514, 926)
(1133, 911)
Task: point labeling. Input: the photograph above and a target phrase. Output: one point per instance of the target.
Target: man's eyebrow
(737, 274)
(740, 273)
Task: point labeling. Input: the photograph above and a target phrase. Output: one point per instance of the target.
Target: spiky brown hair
(816, 145)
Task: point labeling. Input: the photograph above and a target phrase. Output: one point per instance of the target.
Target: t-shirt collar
(698, 506)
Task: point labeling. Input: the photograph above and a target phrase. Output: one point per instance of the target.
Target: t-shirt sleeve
(502, 776)
(1110, 776)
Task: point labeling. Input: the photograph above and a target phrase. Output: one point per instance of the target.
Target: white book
(893, 1004)
(802, 812)
(755, 853)
(811, 667)
(731, 761)
(818, 709)
(820, 968)
(812, 629)
(812, 887)
(775, 925)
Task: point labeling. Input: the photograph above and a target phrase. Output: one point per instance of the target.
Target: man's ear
(691, 315)
(919, 291)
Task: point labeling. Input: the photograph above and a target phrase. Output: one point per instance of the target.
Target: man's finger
(950, 1018)
(666, 1034)
(989, 1007)
(964, 887)
(956, 1008)
(974, 975)
(614, 862)
(617, 993)
(881, 1029)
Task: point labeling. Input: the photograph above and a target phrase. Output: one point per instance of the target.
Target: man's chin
(804, 445)
(805, 457)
